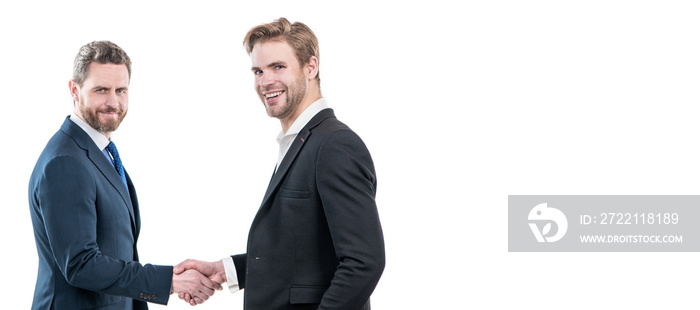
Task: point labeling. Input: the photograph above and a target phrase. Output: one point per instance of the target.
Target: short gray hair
(102, 52)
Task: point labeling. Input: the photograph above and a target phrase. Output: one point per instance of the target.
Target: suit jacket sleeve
(347, 185)
(68, 208)
(240, 262)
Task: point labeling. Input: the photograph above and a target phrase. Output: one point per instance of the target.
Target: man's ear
(74, 90)
(311, 68)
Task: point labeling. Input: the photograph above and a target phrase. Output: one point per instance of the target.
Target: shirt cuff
(231, 275)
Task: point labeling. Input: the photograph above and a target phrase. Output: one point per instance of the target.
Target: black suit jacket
(86, 226)
(316, 241)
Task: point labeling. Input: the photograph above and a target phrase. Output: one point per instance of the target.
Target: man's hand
(194, 284)
(213, 270)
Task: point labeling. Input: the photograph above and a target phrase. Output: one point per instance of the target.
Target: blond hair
(299, 36)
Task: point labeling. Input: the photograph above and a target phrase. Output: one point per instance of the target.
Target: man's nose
(266, 80)
(112, 100)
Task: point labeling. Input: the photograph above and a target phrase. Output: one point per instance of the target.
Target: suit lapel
(135, 216)
(293, 151)
(100, 161)
(286, 163)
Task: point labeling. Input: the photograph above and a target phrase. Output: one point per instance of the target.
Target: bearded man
(83, 204)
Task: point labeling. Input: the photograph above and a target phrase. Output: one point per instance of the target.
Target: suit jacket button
(154, 297)
(141, 296)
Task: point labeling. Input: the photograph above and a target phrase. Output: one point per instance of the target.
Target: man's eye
(279, 67)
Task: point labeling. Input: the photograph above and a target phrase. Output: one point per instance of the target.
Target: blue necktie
(117, 161)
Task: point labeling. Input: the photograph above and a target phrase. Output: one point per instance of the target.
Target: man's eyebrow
(107, 87)
(277, 63)
(270, 65)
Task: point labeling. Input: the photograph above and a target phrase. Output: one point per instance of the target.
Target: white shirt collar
(304, 118)
(100, 140)
(285, 140)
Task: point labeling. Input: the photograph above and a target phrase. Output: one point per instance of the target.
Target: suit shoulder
(335, 135)
(61, 150)
(62, 143)
(335, 129)
(61, 164)
(331, 124)
(61, 171)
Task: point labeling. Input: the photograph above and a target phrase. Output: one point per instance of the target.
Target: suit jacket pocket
(287, 193)
(306, 294)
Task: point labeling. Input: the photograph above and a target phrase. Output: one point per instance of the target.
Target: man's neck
(80, 116)
(289, 120)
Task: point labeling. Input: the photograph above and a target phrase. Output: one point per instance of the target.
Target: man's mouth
(111, 112)
(273, 94)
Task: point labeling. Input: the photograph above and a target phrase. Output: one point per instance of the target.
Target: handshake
(195, 281)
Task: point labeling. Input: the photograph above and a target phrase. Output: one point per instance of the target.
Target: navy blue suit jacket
(316, 241)
(86, 226)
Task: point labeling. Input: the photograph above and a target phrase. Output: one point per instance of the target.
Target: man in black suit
(316, 241)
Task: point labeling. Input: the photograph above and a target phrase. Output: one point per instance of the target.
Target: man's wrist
(231, 275)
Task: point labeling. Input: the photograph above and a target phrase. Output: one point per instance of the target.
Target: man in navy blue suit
(83, 204)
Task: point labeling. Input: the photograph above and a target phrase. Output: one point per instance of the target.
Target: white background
(460, 104)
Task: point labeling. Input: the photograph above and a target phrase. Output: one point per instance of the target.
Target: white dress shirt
(285, 141)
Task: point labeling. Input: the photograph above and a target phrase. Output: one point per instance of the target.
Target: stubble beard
(295, 93)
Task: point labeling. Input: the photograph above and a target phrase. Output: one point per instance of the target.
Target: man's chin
(108, 126)
(114, 126)
(111, 123)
